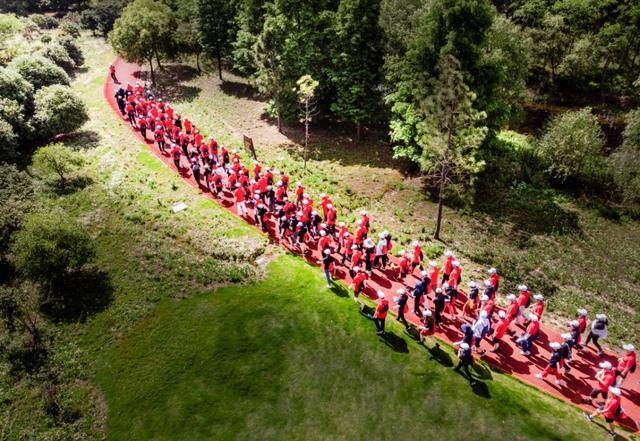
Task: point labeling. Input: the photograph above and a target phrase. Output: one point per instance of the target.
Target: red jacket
(381, 309)
(239, 193)
(611, 406)
(538, 308)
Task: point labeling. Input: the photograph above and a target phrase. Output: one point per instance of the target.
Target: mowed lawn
(286, 358)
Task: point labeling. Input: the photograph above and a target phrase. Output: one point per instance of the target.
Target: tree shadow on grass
(241, 90)
(440, 355)
(170, 81)
(395, 342)
(79, 295)
(71, 185)
(81, 140)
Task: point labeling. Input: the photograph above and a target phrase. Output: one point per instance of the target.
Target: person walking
(401, 301)
(626, 363)
(465, 359)
(598, 331)
(530, 334)
(327, 265)
(428, 327)
(605, 378)
(553, 365)
(380, 314)
(611, 409)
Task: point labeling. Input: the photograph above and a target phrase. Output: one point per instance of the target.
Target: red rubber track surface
(580, 380)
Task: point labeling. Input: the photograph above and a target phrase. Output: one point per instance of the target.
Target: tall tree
(357, 61)
(306, 89)
(451, 134)
(215, 28)
(144, 32)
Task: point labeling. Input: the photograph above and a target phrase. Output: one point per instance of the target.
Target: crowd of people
(290, 213)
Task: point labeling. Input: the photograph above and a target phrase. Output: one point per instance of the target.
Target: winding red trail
(579, 382)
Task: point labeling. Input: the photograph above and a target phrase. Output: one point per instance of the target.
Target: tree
(59, 55)
(625, 161)
(214, 28)
(144, 32)
(56, 160)
(102, 14)
(8, 140)
(20, 312)
(39, 71)
(308, 106)
(50, 247)
(450, 134)
(17, 194)
(58, 109)
(572, 146)
(357, 61)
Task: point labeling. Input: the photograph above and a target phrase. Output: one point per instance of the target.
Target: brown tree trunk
(153, 77)
(436, 235)
(198, 61)
(219, 57)
(358, 131)
(158, 61)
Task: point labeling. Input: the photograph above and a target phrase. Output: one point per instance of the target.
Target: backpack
(599, 325)
(385, 308)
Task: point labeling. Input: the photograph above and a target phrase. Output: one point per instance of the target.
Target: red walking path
(579, 382)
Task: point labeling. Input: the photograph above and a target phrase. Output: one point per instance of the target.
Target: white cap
(615, 390)
(605, 365)
(484, 298)
(424, 273)
(472, 284)
(363, 212)
(555, 345)
(380, 295)
(566, 336)
(433, 263)
(502, 314)
(359, 222)
(341, 224)
(583, 312)
(533, 317)
(445, 285)
(354, 247)
(322, 195)
(380, 235)
(492, 271)
(368, 243)
(628, 347)
(522, 287)
(323, 233)
(346, 234)
(448, 253)
(483, 314)
(314, 212)
(438, 290)
(414, 243)
(426, 313)
(511, 297)
(329, 206)
(305, 202)
(279, 183)
(464, 346)
(299, 213)
(402, 252)
(601, 316)
(400, 291)
(356, 269)
(538, 297)
(327, 251)
(299, 184)
(574, 323)
(487, 283)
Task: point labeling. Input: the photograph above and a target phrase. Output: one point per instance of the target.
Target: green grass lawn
(286, 358)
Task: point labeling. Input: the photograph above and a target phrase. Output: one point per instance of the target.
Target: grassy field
(201, 342)
(559, 246)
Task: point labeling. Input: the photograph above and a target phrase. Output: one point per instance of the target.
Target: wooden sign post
(248, 144)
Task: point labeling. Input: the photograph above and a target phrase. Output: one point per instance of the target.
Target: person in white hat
(553, 365)
(328, 265)
(380, 260)
(524, 300)
(359, 283)
(611, 409)
(448, 265)
(428, 327)
(403, 266)
(581, 319)
(416, 260)
(538, 306)
(401, 301)
(380, 314)
(480, 328)
(530, 334)
(605, 378)
(369, 250)
(361, 233)
(366, 222)
(598, 331)
(299, 194)
(565, 351)
(465, 360)
(499, 330)
(419, 292)
(626, 363)
(433, 274)
(494, 277)
(469, 307)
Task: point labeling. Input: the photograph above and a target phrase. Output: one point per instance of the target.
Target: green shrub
(72, 48)
(16, 193)
(39, 71)
(511, 158)
(50, 246)
(8, 141)
(44, 21)
(70, 29)
(14, 87)
(572, 147)
(13, 113)
(55, 162)
(625, 162)
(59, 55)
(58, 110)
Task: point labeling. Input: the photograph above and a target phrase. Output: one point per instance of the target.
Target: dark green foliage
(58, 109)
(625, 162)
(59, 55)
(39, 71)
(72, 48)
(214, 28)
(44, 21)
(102, 14)
(16, 193)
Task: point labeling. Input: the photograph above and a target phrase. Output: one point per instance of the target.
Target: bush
(14, 87)
(70, 29)
(625, 162)
(58, 110)
(16, 193)
(13, 113)
(51, 246)
(39, 71)
(57, 161)
(59, 55)
(44, 21)
(72, 48)
(102, 14)
(572, 147)
(8, 141)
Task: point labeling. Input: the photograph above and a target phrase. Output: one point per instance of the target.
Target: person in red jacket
(611, 409)
(626, 363)
(176, 154)
(112, 72)
(538, 307)
(433, 274)
(240, 201)
(348, 245)
(605, 378)
(158, 135)
(513, 309)
(494, 278)
(499, 330)
(359, 283)
(416, 260)
(403, 266)
(380, 315)
(299, 193)
(553, 365)
(530, 334)
(448, 265)
(356, 257)
(523, 300)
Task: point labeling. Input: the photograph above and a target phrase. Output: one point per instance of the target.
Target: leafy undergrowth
(286, 358)
(573, 254)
